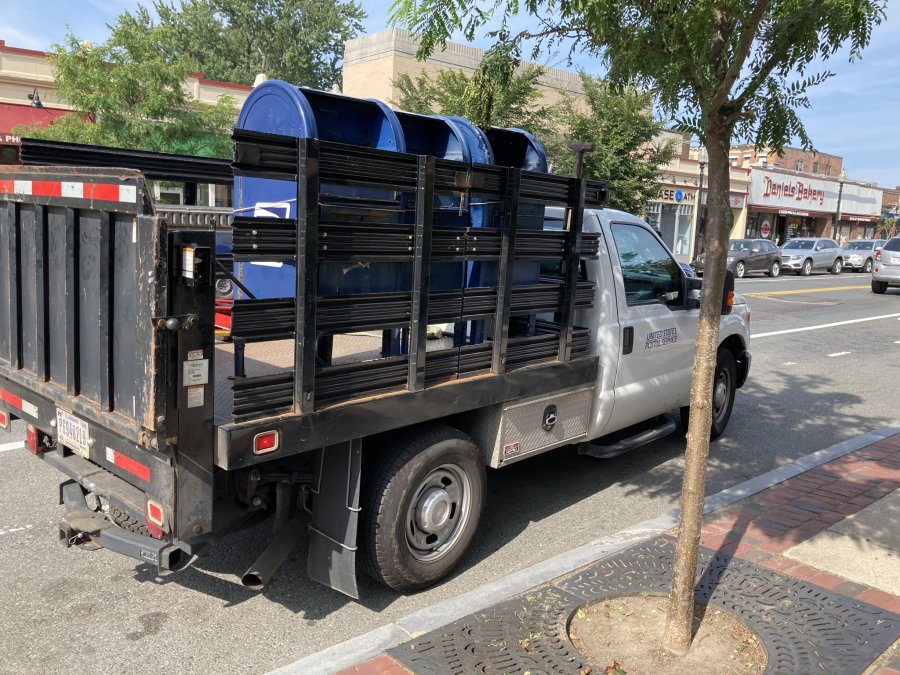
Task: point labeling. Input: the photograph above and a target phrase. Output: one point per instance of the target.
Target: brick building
(792, 159)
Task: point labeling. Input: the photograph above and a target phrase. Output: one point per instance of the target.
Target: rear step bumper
(82, 527)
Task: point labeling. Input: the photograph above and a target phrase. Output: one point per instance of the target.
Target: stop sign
(765, 229)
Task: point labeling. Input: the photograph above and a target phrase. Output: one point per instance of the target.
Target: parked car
(887, 266)
(749, 255)
(804, 255)
(859, 254)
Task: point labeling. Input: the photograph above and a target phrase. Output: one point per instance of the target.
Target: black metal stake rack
(316, 390)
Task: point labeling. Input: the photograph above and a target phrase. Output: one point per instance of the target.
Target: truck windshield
(804, 244)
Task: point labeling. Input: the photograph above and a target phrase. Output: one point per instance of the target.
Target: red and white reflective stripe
(18, 402)
(104, 192)
(131, 466)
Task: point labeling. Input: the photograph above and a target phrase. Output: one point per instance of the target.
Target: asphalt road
(93, 612)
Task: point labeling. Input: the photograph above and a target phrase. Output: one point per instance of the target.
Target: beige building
(373, 62)
(675, 214)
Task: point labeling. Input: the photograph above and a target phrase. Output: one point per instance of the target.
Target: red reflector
(155, 518)
(31, 439)
(265, 442)
(130, 465)
(4, 420)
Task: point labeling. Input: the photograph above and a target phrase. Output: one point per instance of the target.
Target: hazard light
(266, 442)
(4, 420)
(155, 518)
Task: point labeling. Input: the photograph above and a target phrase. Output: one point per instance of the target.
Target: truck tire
(421, 508)
(879, 287)
(724, 388)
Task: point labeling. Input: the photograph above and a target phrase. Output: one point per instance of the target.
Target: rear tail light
(32, 440)
(878, 255)
(154, 518)
(4, 420)
(265, 442)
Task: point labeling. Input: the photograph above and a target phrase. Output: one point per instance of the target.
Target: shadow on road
(767, 416)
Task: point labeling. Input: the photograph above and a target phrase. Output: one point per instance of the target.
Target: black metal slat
(307, 274)
(154, 165)
(567, 315)
(15, 287)
(105, 306)
(73, 310)
(41, 285)
(418, 329)
(505, 275)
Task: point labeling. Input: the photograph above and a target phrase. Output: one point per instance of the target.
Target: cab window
(649, 272)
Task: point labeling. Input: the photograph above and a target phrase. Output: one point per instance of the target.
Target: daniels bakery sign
(797, 190)
(778, 190)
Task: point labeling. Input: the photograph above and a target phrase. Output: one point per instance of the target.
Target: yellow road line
(806, 290)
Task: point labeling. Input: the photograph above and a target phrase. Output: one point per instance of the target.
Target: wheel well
(735, 344)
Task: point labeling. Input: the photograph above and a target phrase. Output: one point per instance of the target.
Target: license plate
(73, 433)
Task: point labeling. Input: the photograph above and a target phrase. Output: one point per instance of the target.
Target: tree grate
(804, 628)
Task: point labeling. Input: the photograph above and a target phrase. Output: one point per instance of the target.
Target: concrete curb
(368, 645)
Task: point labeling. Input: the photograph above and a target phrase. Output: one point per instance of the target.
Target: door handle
(628, 340)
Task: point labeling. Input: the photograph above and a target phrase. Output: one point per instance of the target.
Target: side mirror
(692, 292)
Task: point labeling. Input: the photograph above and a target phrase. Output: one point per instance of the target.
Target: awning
(13, 115)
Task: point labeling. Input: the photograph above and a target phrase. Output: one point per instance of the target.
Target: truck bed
(269, 358)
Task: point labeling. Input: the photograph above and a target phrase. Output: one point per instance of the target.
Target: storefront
(672, 216)
(785, 204)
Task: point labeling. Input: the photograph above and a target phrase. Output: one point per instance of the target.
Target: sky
(855, 114)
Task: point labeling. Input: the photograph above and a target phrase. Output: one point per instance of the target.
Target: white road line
(825, 325)
(16, 529)
(838, 354)
(790, 363)
(12, 446)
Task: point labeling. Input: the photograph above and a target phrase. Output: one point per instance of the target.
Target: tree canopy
(729, 69)
(299, 41)
(129, 92)
(629, 152)
(515, 103)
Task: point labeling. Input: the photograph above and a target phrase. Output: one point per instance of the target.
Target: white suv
(887, 266)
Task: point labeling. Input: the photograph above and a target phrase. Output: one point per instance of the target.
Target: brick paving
(762, 527)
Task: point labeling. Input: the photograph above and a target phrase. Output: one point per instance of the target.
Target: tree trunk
(677, 638)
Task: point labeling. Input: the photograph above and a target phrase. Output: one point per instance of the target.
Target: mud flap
(335, 516)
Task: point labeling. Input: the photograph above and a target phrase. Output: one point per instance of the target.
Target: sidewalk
(824, 543)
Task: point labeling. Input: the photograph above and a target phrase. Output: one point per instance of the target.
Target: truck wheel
(879, 287)
(421, 508)
(837, 267)
(724, 387)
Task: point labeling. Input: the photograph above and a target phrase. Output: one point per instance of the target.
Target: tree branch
(766, 68)
(737, 63)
